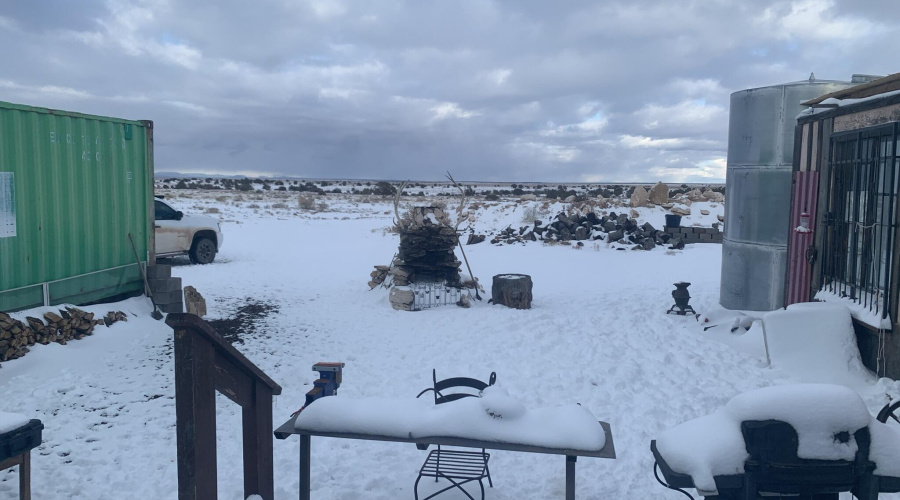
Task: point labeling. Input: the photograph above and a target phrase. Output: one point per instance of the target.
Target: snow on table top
(11, 421)
(713, 445)
(493, 417)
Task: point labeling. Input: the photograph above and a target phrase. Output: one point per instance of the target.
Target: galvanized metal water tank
(758, 191)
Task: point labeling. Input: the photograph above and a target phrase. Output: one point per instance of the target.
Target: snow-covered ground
(597, 335)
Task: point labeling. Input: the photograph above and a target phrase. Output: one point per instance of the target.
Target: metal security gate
(861, 193)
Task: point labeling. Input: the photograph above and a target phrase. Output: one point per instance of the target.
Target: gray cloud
(490, 90)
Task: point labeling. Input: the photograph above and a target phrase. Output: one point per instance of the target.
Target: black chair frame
(466, 466)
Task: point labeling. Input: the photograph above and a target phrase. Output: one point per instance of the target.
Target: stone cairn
(70, 324)
(427, 250)
(426, 255)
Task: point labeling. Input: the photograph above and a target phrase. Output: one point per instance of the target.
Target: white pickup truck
(198, 236)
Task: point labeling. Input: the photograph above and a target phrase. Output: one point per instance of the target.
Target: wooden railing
(206, 363)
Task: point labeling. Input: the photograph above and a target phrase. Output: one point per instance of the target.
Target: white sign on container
(7, 205)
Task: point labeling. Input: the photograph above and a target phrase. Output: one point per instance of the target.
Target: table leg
(25, 477)
(570, 477)
(304, 466)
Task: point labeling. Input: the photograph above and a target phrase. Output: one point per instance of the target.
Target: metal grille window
(859, 216)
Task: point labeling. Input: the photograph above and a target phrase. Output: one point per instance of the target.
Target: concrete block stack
(166, 290)
(695, 234)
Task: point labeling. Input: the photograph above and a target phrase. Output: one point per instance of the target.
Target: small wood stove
(681, 296)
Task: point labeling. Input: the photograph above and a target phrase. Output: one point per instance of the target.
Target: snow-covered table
(494, 421)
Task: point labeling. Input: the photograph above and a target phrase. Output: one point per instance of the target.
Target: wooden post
(195, 414)
(25, 477)
(258, 448)
(206, 363)
(512, 290)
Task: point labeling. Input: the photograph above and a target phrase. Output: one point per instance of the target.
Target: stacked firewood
(14, 336)
(70, 324)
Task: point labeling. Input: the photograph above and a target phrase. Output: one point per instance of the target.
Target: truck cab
(197, 236)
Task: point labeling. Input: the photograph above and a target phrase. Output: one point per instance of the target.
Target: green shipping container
(72, 187)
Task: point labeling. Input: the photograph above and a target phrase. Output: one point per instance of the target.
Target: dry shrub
(221, 198)
(307, 201)
(253, 205)
(212, 210)
(321, 206)
(279, 205)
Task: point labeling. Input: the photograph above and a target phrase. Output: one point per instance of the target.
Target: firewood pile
(70, 324)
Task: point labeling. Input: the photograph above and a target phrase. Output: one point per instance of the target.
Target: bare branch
(463, 202)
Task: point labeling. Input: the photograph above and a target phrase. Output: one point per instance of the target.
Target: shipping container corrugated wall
(72, 187)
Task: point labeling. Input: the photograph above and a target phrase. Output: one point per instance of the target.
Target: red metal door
(805, 196)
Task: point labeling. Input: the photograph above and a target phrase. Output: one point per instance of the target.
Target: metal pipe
(762, 322)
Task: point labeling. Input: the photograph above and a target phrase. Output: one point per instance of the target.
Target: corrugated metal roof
(889, 83)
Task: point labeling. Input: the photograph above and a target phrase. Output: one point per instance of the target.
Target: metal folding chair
(457, 466)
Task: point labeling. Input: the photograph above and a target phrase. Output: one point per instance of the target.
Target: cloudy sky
(515, 90)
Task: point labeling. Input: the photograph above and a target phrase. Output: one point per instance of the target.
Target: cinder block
(168, 297)
(687, 230)
(171, 308)
(706, 237)
(159, 271)
(699, 230)
(164, 284)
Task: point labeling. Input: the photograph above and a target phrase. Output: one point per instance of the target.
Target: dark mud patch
(245, 320)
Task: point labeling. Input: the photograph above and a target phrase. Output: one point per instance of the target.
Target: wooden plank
(11, 462)
(195, 410)
(194, 322)
(233, 382)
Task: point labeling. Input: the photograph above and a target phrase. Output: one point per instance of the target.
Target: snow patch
(815, 342)
(868, 315)
(11, 421)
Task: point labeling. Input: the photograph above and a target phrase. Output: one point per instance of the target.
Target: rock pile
(582, 227)
(70, 324)
(378, 275)
(661, 195)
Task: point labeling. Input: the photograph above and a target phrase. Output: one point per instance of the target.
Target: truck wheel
(203, 251)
